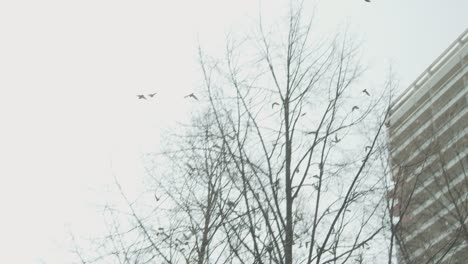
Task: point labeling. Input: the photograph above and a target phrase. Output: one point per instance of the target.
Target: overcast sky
(70, 72)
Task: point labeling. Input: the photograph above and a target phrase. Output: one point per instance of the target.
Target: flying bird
(336, 140)
(273, 104)
(192, 96)
(355, 108)
(190, 167)
(276, 183)
(141, 96)
(366, 92)
(152, 94)
(269, 248)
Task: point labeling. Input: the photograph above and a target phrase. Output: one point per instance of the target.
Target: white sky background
(70, 72)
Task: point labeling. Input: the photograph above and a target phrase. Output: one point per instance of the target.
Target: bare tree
(292, 115)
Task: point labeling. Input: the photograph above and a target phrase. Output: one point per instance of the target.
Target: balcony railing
(434, 67)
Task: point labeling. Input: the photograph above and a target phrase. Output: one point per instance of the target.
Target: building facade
(428, 144)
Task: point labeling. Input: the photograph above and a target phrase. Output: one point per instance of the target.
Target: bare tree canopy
(256, 180)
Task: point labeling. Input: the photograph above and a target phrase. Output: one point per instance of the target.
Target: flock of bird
(352, 109)
(151, 95)
(356, 107)
(193, 96)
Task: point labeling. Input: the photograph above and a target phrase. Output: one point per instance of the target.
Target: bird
(189, 167)
(354, 108)
(276, 183)
(141, 96)
(157, 198)
(310, 132)
(191, 95)
(152, 95)
(269, 248)
(366, 92)
(367, 147)
(273, 104)
(336, 140)
(368, 1)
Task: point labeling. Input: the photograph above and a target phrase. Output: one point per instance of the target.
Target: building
(428, 141)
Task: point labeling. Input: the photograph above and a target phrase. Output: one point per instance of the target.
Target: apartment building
(428, 143)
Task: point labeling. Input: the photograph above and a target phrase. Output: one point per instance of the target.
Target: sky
(70, 72)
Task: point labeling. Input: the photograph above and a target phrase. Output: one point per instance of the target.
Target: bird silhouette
(190, 167)
(368, 1)
(366, 92)
(367, 147)
(152, 94)
(157, 198)
(276, 183)
(310, 132)
(192, 96)
(355, 108)
(273, 104)
(269, 248)
(336, 140)
(141, 96)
